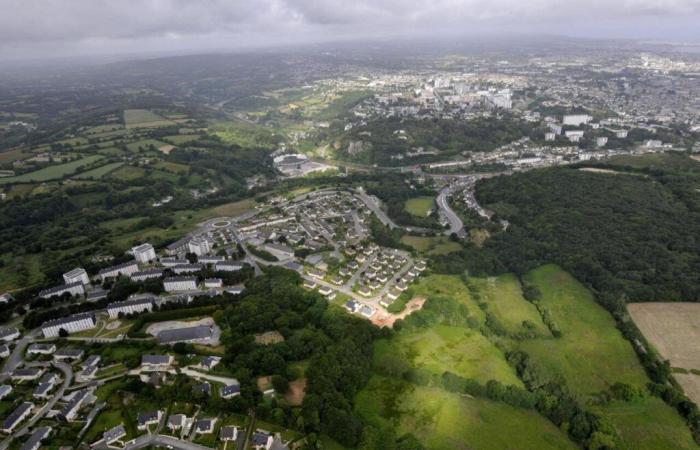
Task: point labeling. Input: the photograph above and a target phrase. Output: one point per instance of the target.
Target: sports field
(420, 206)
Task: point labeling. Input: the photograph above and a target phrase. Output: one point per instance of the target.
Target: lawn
(420, 206)
(442, 420)
(591, 355)
(442, 348)
(440, 245)
(99, 172)
(53, 172)
(503, 294)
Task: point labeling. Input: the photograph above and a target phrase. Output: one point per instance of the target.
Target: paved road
(372, 205)
(456, 225)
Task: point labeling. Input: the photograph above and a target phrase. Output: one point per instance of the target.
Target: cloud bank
(38, 28)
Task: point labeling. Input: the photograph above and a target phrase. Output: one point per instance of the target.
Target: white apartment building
(228, 266)
(146, 275)
(174, 284)
(72, 324)
(576, 119)
(574, 135)
(125, 269)
(73, 289)
(129, 307)
(199, 246)
(144, 253)
(76, 275)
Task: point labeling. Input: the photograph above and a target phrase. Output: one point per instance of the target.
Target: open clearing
(674, 331)
(419, 206)
(442, 348)
(443, 420)
(439, 245)
(505, 300)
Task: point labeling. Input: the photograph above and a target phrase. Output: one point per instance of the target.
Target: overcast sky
(41, 28)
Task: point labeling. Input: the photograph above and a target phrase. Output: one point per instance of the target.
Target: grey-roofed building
(210, 259)
(73, 289)
(70, 411)
(9, 334)
(144, 253)
(16, 417)
(213, 283)
(41, 349)
(91, 360)
(30, 373)
(147, 418)
(190, 334)
(209, 362)
(230, 391)
(176, 421)
(130, 307)
(203, 388)
(77, 275)
(5, 390)
(144, 275)
(228, 266)
(187, 268)
(126, 269)
(205, 426)
(156, 362)
(172, 262)
(97, 295)
(114, 434)
(261, 440)
(180, 284)
(228, 433)
(71, 353)
(35, 440)
(6, 298)
(72, 324)
(86, 374)
(4, 351)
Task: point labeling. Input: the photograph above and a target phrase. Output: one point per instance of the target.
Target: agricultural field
(505, 300)
(442, 420)
(420, 206)
(180, 139)
(98, 172)
(591, 355)
(673, 329)
(53, 172)
(144, 144)
(143, 118)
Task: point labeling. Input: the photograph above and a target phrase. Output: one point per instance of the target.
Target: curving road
(456, 225)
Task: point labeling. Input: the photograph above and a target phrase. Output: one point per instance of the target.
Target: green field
(504, 297)
(442, 420)
(180, 139)
(54, 172)
(144, 144)
(448, 285)
(442, 348)
(440, 245)
(99, 172)
(142, 118)
(420, 206)
(591, 355)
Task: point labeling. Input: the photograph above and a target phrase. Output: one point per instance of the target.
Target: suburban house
(230, 391)
(16, 417)
(9, 334)
(156, 363)
(148, 418)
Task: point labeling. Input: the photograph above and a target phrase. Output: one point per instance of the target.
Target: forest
(633, 237)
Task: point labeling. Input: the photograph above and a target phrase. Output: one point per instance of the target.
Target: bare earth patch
(296, 392)
(386, 319)
(674, 331)
(269, 337)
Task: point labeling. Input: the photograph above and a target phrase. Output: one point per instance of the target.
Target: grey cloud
(50, 26)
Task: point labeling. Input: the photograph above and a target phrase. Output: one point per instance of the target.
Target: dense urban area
(371, 248)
